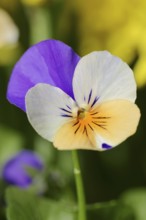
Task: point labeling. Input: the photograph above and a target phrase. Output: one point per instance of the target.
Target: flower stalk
(79, 186)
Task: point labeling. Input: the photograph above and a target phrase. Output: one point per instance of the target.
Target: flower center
(87, 120)
(84, 116)
(81, 113)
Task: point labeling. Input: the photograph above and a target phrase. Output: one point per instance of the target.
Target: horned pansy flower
(76, 103)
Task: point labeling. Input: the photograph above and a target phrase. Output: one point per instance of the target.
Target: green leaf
(10, 143)
(136, 200)
(114, 210)
(22, 205)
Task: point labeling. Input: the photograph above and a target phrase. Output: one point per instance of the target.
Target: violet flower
(75, 103)
(15, 170)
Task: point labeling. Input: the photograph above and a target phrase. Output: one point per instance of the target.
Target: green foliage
(23, 205)
(10, 143)
(113, 210)
(136, 200)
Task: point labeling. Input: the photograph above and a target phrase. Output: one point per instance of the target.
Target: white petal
(48, 108)
(99, 75)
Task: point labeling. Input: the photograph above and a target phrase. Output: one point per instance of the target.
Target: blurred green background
(118, 26)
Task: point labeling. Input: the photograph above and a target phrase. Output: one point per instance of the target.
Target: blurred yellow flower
(117, 26)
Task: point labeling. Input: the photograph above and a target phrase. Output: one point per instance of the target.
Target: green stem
(79, 186)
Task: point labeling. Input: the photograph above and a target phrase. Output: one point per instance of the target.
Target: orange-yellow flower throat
(89, 120)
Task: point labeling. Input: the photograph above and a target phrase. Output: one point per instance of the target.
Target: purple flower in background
(76, 103)
(15, 170)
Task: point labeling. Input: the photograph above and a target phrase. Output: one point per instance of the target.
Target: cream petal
(115, 122)
(48, 108)
(71, 137)
(100, 76)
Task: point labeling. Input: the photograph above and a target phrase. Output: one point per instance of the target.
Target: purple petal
(49, 61)
(14, 171)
